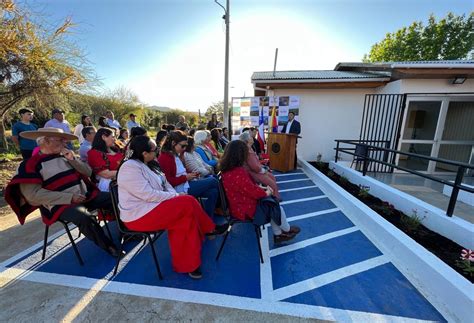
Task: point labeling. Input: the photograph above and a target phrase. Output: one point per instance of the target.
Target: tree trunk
(3, 137)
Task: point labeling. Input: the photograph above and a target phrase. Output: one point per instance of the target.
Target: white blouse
(140, 190)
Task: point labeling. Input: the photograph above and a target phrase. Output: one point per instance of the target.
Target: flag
(274, 122)
(260, 135)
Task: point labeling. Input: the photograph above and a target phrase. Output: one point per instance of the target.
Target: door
(438, 127)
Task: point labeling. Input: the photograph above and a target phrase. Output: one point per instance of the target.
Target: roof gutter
(358, 80)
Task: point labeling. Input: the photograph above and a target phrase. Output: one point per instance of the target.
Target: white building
(422, 107)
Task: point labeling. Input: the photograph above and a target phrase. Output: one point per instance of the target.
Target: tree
(449, 38)
(217, 108)
(37, 63)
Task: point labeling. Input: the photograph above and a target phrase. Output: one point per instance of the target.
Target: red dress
(100, 161)
(242, 193)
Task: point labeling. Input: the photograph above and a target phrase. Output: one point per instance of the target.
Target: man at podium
(292, 126)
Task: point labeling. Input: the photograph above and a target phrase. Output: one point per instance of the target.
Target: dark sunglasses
(183, 145)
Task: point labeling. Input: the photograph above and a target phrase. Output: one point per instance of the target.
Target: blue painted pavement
(330, 264)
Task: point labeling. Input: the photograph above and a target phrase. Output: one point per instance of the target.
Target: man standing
(132, 123)
(58, 121)
(182, 124)
(88, 134)
(58, 183)
(294, 127)
(26, 145)
(111, 121)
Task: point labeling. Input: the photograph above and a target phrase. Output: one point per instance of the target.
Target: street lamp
(226, 73)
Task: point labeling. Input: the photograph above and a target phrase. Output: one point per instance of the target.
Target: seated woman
(104, 158)
(224, 140)
(244, 194)
(215, 141)
(193, 161)
(149, 203)
(201, 140)
(258, 172)
(172, 165)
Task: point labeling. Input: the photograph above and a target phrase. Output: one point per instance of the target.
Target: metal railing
(362, 149)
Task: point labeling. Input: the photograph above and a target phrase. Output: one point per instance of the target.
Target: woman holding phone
(171, 163)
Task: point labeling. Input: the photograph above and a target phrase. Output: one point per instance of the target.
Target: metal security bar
(381, 125)
(365, 156)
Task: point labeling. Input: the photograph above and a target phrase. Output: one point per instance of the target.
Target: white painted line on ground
(197, 297)
(266, 281)
(328, 278)
(296, 189)
(294, 180)
(303, 200)
(309, 242)
(309, 215)
(292, 174)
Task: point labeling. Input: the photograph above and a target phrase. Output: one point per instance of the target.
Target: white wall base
(463, 196)
(448, 291)
(454, 228)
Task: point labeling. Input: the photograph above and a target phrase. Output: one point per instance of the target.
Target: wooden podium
(282, 150)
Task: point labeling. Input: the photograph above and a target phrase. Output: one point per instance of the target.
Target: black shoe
(197, 274)
(220, 229)
(114, 252)
(283, 237)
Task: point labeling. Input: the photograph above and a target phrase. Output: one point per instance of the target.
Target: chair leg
(46, 229)
(154, 257)
(107, 229)
(118, 258)
(258, 234)
(223, 243)
(73, 244)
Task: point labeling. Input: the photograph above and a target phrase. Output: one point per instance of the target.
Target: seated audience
(104, 158)
(149, 203)
(201, 140)
(160, 137)
(172, 165)
(193, 161)
(58, 183)
(259, 173)
(123, 135)
(88, 133)
(85, 122)
(215, 141)
(244, 194)
(224, 137)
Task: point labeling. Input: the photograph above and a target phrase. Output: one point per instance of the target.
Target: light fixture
(459, 79)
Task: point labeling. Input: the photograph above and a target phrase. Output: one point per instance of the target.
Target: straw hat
(47, 132)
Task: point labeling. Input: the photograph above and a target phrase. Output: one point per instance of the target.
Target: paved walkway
(331, 271)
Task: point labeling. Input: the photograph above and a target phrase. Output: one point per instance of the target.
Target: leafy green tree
(37, 63)
(449, 38)
(217, 108)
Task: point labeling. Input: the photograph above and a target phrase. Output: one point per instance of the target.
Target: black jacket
(295, 127)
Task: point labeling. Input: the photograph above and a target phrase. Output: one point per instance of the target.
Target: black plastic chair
(66, 227)
(232, 220)
(124, 232)
(361, 152)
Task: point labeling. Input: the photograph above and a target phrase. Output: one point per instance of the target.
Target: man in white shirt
(132, 123)
(294, 127)
(58, 121)
(111, 121)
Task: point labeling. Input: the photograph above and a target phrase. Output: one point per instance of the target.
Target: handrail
(457, 185)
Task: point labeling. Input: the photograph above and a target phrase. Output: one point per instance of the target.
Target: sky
(171, 52)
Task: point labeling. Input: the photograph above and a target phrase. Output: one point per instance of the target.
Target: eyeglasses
(183, 145)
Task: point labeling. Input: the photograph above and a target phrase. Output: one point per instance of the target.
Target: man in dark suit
(294, 127)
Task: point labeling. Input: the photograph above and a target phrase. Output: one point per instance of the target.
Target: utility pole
(226, 17)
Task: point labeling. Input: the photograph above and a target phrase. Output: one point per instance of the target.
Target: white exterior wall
(435, 86)
(326, 115)
(329, 114)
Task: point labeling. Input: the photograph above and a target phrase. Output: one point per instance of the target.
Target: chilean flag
(260, 135)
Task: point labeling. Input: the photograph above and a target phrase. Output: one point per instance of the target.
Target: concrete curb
(450, 293)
